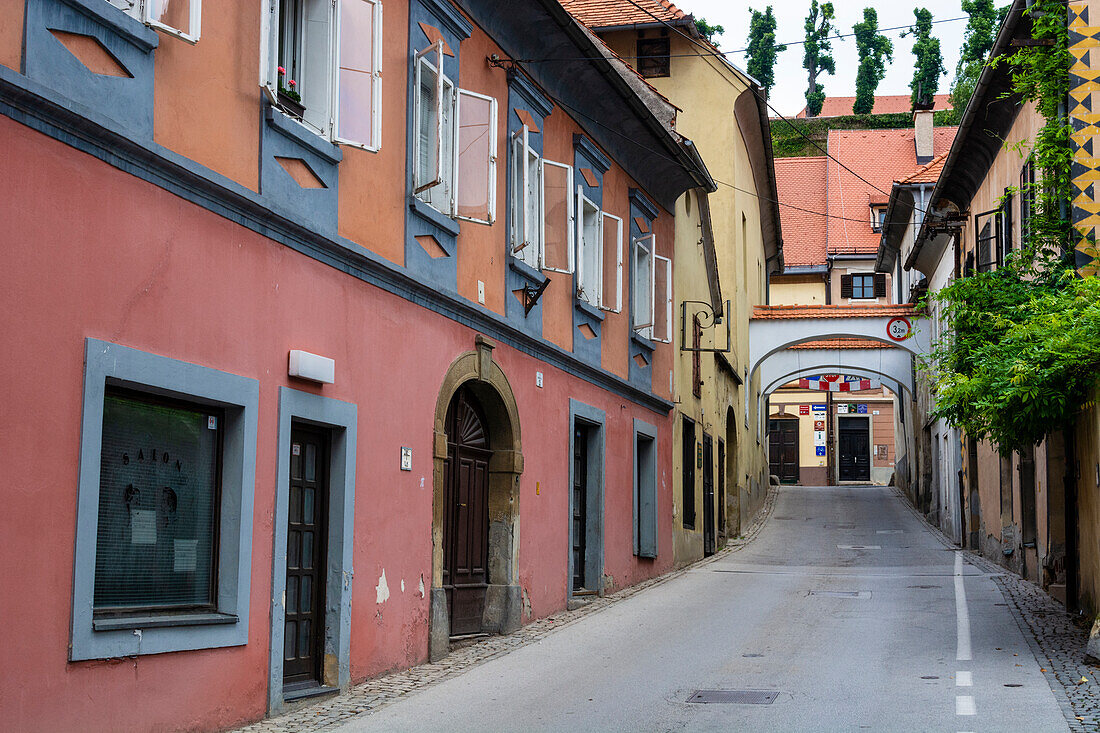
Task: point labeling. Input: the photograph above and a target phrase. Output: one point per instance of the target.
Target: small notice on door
(143, 527)
(185, 554)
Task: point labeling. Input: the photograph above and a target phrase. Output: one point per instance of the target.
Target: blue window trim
(595, 156)
(644, 429)
(449, 16)
(297, 133)
(108, 363)
(341, 418)
(538, 103)
(124, 25)
(646, 207)
(596, 420)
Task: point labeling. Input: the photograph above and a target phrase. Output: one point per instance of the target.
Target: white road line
(963, 678)
(962, 615)
(964, 705)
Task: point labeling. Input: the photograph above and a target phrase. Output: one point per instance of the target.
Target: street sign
(899, 328)
(819, 424)
(861, 409)
(819, 450)
(819, 408)
(803, 409)
(842, 408)
(819, 437)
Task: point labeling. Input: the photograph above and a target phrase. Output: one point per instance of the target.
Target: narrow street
(845, 604)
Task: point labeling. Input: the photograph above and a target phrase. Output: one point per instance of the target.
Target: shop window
(654, 57)
(180, 18)
(164, 520)
(455, 162)
(158, 498)
(323, 66)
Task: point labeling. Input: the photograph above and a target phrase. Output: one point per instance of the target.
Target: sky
(788, 94)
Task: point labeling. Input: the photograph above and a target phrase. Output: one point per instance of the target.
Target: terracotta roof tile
(801, 181)
(879, 157)
(771, 312)
(929, 173)
(843, 344)
(884, 104)
(611, 13)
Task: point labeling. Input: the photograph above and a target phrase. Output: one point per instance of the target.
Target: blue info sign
(820, 450)
(861, 409)
(819, 408)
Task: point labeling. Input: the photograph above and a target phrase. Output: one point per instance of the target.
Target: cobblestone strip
(1056, 642)
(374, 694)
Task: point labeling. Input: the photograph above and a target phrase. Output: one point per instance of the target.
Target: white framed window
(527, 200)
(322, 64)
(454, 143)
(477, 157)
(589, 259)
(643, 285)
(559, 218)
(180, 18)
(662, 299)
(611, 290)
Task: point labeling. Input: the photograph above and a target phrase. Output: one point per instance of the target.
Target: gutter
(1004, 40)
(687, 21)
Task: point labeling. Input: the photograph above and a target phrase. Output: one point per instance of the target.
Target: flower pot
(292, 107)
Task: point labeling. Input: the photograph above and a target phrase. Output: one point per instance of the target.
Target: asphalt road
(919, 641)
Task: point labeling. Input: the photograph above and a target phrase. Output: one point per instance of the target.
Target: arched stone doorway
(476, 432)
(732, 477)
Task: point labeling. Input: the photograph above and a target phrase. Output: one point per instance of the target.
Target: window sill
(433, 216)
(589, 310)
(153, 621)
(525, 271)
(642, 341)
(133, 30)
(300, 134)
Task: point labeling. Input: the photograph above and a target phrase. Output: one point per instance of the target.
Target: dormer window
(654, 57)
(878, 217)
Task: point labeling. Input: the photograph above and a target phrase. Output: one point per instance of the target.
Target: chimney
(922, 122)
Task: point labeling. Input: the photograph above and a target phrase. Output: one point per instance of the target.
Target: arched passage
(476, 397)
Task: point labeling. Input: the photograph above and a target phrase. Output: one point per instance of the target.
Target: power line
(721, 53)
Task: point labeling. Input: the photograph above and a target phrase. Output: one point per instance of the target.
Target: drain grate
(858, 547)
(735, 697)
(924, 587)
(841, 593)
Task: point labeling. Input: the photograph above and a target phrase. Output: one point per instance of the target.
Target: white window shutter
(423, 180)
(479, 153)
(557, 248)
(269, 51)
(611, 288)
(662, 324)
(578, 243)
(167, 16)
(356, 74)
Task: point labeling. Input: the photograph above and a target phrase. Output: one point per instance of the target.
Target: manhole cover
(841, 593)
(737, 697)
(858, 547)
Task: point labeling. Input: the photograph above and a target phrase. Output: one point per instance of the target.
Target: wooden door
(580, 504)
(306, 554)
(466, 514)
(708, 495)
(783, 449)
(854, 449)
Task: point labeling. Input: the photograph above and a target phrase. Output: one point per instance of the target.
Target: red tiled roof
(800, 181)
(884, 104)
(929, 173)
(874, 160)
(612, 13)
(843, 344)
(771, 312)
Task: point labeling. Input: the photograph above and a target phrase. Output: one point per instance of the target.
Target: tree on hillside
(818, 57)
(762, 49)
(874, 50)
(929, 61)
(708, 31)
(978, 39)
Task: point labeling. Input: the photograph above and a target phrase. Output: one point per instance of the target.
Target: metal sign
(819, 408)
(899, 328)
(803, 409)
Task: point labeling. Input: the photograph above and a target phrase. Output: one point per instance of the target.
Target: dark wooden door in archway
(783, 449)
(466, 513)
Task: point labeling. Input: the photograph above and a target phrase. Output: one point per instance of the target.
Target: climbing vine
(1021, 351)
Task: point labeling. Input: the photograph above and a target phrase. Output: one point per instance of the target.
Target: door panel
(783, 450)
(306, 553)
(708, 495)
(580, 505)
(854, 449)
(466, 514)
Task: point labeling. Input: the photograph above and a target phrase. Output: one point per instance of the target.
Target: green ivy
(1022, 352)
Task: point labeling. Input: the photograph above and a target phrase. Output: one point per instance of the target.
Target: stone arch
(477, 371)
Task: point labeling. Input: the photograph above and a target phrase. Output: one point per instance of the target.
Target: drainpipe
(1070, 484)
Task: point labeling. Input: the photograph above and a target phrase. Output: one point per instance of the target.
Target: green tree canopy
(708, 31)
(978, 39)
(818, 56)
(875, 51)
(928, 67)
(762, 49)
